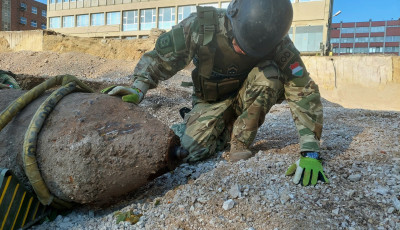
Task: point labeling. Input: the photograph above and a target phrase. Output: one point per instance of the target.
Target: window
(166, 18)
(224, 5)
(59, 1)
(65, 0)
(362, 50)
(130, 20)
(34, 10)
(82, 20)
(23, 7)
(22, 20)
(362, 30)
(308, 38)
(113, 18)
(362, 39)
(335, 40)
(308, 0)
(43, 26)
(52, 1)
(44, 13)
(185, 11)
(33, 23)
(290, 33)
(343, 50)
(377, 29)
(347, 40)
(347, 30)
(376, 39)
(375, 49)
(392, 39)
(68, 21)
(147, 19)
(392, 49)
(55, 22)
(210, 4)
(97, 19)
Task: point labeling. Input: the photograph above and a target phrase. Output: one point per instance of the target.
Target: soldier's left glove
(308, 167)
(132, 95)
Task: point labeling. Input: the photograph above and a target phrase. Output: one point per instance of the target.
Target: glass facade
(82, 20)
(166, 18)
(55, 22)
(130, 20)
(97, 19)
(113, 18)
(147, 19)
(309, 38)
(185, 11)
(68, 21)
(347, 30)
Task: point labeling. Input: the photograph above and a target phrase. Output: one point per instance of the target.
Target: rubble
(192, 196)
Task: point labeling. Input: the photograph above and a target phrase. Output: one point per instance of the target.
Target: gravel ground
(361, 158)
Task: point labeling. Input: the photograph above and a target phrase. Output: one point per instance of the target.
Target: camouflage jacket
(172, 53)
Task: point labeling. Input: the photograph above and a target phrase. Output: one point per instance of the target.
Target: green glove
(132, 95)
(7, 81)
(308, 168)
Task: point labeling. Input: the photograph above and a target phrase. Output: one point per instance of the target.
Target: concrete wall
(26, 40)
(367, 82)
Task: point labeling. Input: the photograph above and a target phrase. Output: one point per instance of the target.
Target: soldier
(245, 63)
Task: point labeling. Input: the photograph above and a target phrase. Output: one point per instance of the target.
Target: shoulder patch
(171, 42)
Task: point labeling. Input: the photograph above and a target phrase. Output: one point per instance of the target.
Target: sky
(363, 10)
(360, 10)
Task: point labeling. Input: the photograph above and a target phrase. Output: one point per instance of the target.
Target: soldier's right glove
(131, 95)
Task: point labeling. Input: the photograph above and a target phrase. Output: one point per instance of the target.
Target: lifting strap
(31, 168)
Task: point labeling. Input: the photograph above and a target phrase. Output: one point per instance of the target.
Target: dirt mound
(105, 48)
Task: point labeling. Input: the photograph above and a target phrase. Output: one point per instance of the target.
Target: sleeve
(173, 51)
(302, 95)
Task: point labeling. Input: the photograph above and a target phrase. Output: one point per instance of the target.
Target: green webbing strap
(29, 148)
(7, 115)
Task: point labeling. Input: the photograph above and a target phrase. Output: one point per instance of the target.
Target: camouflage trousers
(208, 127)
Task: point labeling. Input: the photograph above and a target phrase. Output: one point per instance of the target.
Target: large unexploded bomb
(92, 148)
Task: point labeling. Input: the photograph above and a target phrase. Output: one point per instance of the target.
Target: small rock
(381, 190)
(284, 198)
(335, 211)
(390, 210)
(228, 205)
(234, 192)
(354, 177)
(350, 193)
(396, 203)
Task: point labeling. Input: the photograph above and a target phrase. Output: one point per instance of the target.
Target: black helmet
(259, 25)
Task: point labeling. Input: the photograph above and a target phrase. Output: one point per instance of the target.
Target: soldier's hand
(131, 95)
(309, 169)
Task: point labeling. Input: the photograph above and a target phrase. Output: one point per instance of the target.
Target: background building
(22, 15)
(135, 18)
(373, 37)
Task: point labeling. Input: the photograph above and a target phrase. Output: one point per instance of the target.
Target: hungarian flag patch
(297, 70)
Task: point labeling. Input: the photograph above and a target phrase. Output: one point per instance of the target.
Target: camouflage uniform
(208, 127)
(7, 80)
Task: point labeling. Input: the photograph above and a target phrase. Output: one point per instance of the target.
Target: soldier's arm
(302, 95)
(173, 51)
